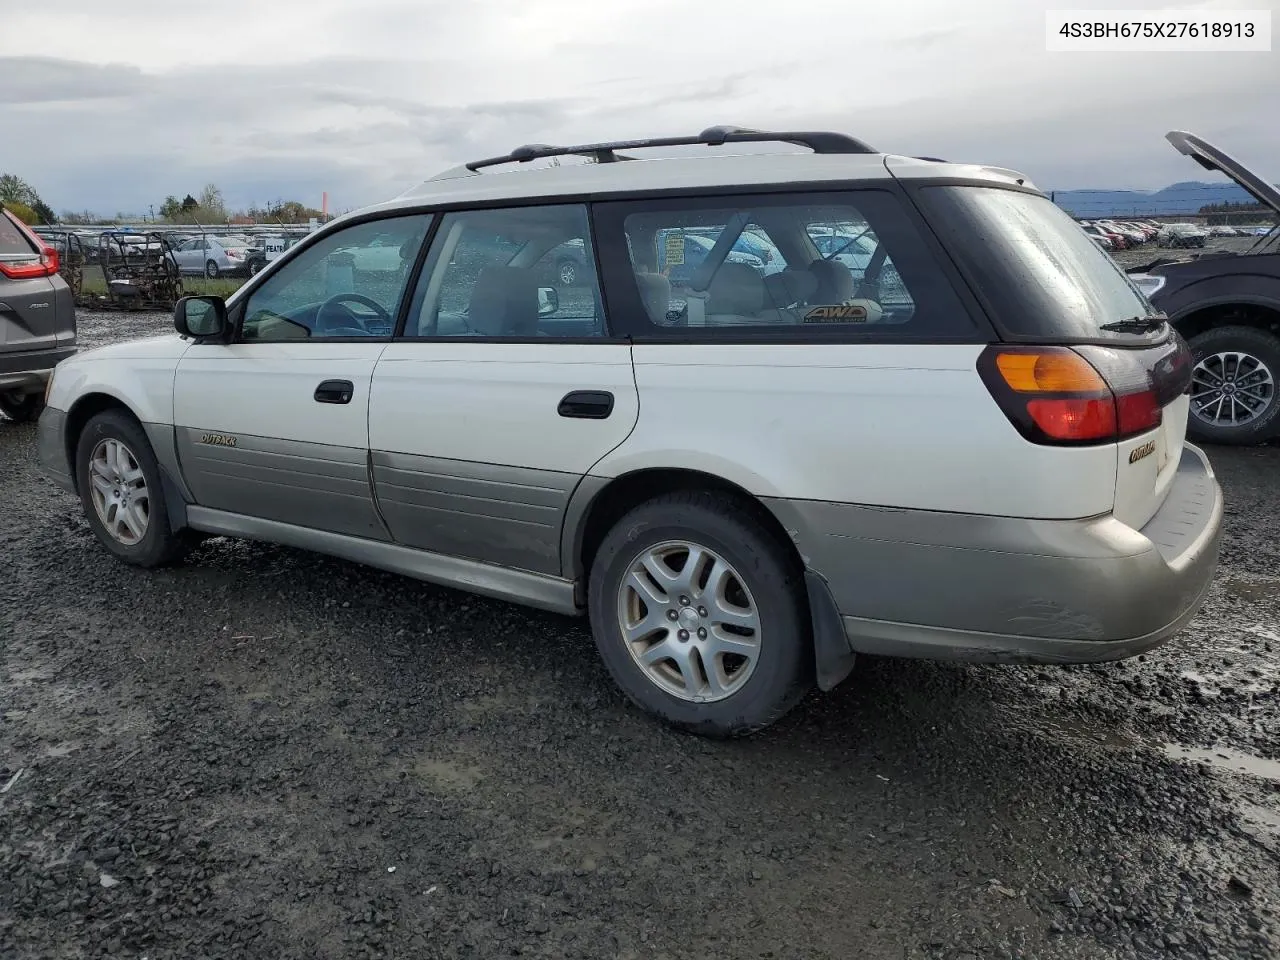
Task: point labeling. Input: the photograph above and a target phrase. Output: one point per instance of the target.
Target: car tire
(113, 455)
(211, 269)
(567, 273)
(254, 267)
(21, 407)
(761, 584)
(1241, 356)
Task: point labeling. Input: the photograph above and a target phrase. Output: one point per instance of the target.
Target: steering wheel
(358, 329)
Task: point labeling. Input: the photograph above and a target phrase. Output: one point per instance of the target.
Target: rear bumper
(29, 370)
(1001, 590)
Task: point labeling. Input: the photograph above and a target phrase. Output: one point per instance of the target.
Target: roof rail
(818, 141)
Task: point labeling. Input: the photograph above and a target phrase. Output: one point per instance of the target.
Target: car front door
(274, 424)
(184, 254)
(501, 394)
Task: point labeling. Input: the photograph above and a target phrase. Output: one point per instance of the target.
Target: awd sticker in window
(837, 313)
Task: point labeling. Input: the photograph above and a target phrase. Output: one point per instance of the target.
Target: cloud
(40, 80)
(292, 98)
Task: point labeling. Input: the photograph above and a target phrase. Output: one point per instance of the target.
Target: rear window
(1038, 271)
(12, 240)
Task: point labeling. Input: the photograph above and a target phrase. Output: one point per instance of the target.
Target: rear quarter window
(1034, 267)
(12, 240)
(836, 265)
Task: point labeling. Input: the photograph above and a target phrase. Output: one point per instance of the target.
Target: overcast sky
(128, 102)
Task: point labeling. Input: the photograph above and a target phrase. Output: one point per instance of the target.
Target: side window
(518, 273)
(348, 284)
(787, 265)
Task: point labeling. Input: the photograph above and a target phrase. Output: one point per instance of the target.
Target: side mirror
(200, 316)
(548, 301)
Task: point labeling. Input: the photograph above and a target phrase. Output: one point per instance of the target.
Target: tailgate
(1146, 464)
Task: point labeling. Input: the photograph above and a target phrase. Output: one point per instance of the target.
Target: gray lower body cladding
(51, 447)
(307, 484)
(510, 516)
(959, 586)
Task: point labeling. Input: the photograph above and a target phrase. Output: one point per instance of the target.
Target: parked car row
(1120, 234)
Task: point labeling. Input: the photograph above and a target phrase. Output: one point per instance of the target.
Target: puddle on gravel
(1079, 731)
(1222, 758)
(1260, 819)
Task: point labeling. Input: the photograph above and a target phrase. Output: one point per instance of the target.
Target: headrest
(655, 294)
(504, 303)
(835, 282)
(736, 288)
(790, 286)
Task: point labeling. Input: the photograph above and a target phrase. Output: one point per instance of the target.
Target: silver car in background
(212, 256)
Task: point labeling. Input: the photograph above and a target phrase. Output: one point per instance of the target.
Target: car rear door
(501, 395)
(28, 313)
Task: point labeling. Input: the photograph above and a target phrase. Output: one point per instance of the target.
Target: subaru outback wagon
(743, 480)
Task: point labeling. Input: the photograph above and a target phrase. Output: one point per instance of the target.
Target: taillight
(46, 266)
(1082, 395)
(234, 254)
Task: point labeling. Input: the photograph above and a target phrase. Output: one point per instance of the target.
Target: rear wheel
(1233, 386)
(211, 269)
(120, 489)
(21, 407)
(699, 614)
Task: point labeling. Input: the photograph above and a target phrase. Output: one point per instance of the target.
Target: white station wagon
(966, 442)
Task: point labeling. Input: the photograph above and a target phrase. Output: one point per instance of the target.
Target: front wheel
(118, 479)
(699, 614)
(1233, 386)
(21, 407)
(211, 269)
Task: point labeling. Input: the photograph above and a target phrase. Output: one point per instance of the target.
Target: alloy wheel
(689, 621)
(1230, 389)
(119, 491)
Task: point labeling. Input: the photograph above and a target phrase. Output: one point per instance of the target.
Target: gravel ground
(266, 753)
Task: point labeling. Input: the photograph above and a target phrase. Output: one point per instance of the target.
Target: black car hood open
(1211, 158)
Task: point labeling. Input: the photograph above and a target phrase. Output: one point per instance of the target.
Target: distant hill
(1184, 198)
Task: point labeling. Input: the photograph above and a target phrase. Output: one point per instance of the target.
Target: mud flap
(832, 656)
(175, 506)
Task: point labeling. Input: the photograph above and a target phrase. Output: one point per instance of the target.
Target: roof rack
(818, 141)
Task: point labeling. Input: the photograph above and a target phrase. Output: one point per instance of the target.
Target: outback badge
(1146, 450)
(218, 439)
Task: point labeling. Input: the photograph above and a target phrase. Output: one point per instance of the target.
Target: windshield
(1040, 273)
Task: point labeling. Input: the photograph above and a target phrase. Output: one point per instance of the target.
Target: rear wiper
(1135, 324)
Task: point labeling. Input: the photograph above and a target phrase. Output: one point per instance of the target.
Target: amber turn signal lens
(1049, 371)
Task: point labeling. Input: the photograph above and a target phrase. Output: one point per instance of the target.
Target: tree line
(208, 208)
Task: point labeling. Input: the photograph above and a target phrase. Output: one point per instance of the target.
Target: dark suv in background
(37, 318)
(1226, 303)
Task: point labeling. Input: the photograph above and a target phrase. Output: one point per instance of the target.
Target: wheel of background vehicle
(567, 272)
(699, 614)
(20, 407)
(1233, 386)
(255, 266)
(119, 483)
(211, 269)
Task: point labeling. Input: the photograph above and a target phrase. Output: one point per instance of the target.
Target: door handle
(586, 405)
(335, 391)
